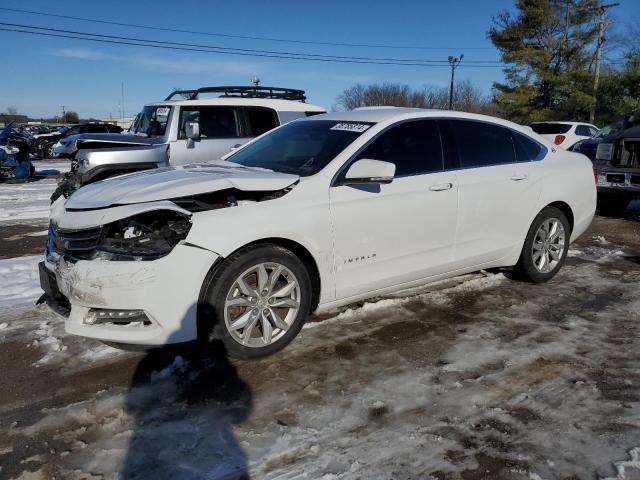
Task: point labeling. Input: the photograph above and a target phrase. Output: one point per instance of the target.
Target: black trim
(244, 92)
(96, 173)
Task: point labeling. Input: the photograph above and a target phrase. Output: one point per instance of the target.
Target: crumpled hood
(113, 140)
(176, 182)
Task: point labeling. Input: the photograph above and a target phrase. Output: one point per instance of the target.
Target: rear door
(498, 188)
(221, 129)
(387, 235)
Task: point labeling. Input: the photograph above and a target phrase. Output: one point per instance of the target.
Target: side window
(260, 120)
(592, 131)
(482, 144)
(215, 122)
(73, 131)
(97, 129)
(413, 146)
(583, 131)
(526, 149)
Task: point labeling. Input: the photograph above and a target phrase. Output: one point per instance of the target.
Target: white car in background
(564, 134)
(316, 214)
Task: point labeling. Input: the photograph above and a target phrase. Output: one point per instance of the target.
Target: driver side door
(387, 235)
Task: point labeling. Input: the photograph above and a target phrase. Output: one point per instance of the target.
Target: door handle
(440, 187)
(519, 176)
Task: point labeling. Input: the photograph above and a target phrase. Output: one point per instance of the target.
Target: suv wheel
(545, 248)
(256, 301)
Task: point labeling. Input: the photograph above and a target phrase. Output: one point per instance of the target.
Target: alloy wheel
(548, 245)
(262, 304)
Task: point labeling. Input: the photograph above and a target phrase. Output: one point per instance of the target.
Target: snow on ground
(29, 202)
(19, 281)
(487, 378)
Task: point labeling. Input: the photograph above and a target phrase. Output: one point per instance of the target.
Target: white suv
(184, 128)
(564, 134)
(319, 213)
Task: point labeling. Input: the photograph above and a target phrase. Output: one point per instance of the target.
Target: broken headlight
(146, 236)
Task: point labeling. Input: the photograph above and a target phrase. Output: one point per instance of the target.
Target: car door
(221, 129)
(390, 234)
(496, 193)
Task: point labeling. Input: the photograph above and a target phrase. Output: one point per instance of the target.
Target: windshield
(151, 121)
(301, 148)
(606, 131)
(550, 128)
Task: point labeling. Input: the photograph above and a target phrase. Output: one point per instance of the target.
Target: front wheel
(256, 301)
(545, 248)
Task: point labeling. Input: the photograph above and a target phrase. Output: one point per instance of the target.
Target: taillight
(596, 174)
(559, 139)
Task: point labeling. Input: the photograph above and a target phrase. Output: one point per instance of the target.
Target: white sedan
(319, 213)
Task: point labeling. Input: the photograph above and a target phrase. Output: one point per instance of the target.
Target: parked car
(318, 213)
(15, 147)
(45, 143)
(182, 129)
(564, 134)
(589, 146)
(617, 170)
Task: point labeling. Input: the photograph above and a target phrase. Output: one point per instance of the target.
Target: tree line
(557, 67)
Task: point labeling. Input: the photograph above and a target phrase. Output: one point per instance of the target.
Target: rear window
(550, 128)
(260, 120)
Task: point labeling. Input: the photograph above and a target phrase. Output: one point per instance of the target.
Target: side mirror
(192, 130)
(365, 171)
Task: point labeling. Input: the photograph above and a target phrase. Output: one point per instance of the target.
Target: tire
(260, 311)
(611, 205)
(528, 266)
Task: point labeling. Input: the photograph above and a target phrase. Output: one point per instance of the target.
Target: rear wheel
(545, 248)
(256, 301)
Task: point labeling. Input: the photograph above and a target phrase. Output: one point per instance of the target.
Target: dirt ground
(480, 377)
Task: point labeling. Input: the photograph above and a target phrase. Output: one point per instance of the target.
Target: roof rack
(244, 92)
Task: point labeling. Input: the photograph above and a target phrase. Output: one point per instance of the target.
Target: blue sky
(40, 74)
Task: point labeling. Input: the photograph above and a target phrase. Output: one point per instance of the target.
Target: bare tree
(467, 97)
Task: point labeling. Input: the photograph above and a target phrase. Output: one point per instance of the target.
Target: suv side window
(260, 120)
(215, 122)
(413, 146)
(482, 144)
(583, 131)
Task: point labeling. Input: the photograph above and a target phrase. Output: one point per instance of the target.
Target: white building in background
(125, 122)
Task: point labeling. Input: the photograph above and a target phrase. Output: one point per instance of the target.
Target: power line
(228, 35)
(232, 49)
(219, 50)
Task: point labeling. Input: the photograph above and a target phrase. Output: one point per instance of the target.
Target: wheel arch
(564, 208)
(296, 248)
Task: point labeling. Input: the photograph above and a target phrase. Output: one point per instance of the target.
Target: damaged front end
(119, 264)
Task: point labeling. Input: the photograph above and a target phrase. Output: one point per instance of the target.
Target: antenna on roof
(255, 80)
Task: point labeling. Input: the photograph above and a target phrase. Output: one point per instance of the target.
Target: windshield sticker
(162, 111)
(350, 127)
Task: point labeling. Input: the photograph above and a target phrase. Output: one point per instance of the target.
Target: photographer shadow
(185, 401)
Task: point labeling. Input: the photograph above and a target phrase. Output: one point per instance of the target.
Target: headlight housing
(146, 236)
(605, 151)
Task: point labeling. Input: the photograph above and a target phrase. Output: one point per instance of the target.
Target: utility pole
(64, 115)
(453, 62)
(602, 9)
(122, 95)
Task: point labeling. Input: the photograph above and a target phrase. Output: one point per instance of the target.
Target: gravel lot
(480, 377)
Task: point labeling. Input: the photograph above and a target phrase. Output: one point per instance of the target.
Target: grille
(74, 243)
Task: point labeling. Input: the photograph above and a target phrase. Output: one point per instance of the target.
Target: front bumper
(166, 290)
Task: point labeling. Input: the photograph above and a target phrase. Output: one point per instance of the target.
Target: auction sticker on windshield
(350, 127)
(162, 111)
